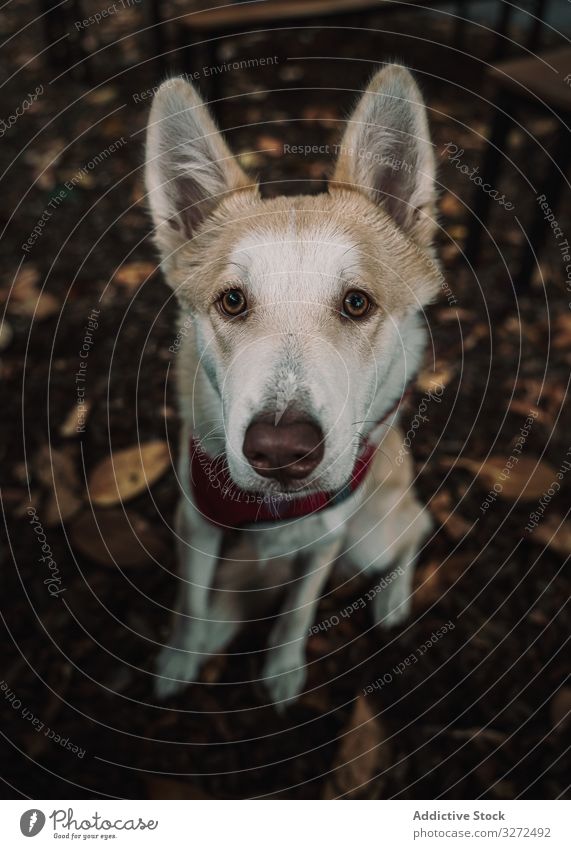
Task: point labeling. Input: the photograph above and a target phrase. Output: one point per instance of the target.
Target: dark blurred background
(484, 711)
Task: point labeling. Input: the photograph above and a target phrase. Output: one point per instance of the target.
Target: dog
(303, 325)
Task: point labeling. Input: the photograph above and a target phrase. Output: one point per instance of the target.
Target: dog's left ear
(386, 152)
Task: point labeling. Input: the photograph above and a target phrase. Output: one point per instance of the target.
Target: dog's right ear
(189, 167)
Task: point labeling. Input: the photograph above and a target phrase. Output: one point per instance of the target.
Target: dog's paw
(174, 670)
(284, 684)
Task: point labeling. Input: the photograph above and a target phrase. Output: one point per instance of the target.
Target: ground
(466, 699)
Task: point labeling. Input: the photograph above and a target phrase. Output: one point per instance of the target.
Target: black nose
(287, 450)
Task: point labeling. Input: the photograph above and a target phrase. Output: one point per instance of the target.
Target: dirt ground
(481, 710)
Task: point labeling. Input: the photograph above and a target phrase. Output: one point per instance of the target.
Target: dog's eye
(356, 304)
(233, 302)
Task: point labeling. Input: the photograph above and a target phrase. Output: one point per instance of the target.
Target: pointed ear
(386, 152)
(189, 167)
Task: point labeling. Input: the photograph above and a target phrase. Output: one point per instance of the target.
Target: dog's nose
(288, 449)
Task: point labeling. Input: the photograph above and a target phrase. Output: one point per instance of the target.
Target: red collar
(221, 502)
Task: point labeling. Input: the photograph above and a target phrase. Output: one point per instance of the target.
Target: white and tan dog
(306, 326)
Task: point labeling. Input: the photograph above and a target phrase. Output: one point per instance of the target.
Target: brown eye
(233, 302)
(356, 304)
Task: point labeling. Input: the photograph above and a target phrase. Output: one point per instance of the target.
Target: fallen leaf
(250, 160)
(6, 335)
(562, 332)
(480, 331)
(359, 753)
(524, 408)
(27, 299)
(76, 418)
(433, 579)
(458, 232)
(430, 379)
(428, 585)
(528, 479)
(128, 473)
(269, 145)
(561, 708)
(450, 205)
(26, 282)
(522, 330)
(102, 95)
(454, 314)
(441, 508)
(449, 253)
(552, 394)
(132, 274)
(56, 469)
(43, 160)
(118, 538)
(316, 171)
(324, 116)
(554, 532)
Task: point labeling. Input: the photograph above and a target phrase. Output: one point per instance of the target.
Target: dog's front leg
(284, 669)
(199, 546)
(401, 541)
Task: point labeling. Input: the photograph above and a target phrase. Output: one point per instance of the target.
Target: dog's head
(305, 310)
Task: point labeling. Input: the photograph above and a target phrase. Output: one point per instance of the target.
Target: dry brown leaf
(56, 469)
(528, 479)
(458, 232)
(138, 193)
(450, 205)
(6, 335)
(561, 708)
(132, 274)
(562, 332)
(250, 160)
(441, 508)
(325, 116)
(555, 533)
(128, 473)
(478, 332)
(454, 314)
(44, 159)
(359, 752)
(102, 95)
(449, 253)
(552, 394)
(522, 330)
(430, 379)
(269, 145)
(26, 299)
(435, 577)
(525, 409)
(316, 171)
(25, 284)
(75, 418)
(118, 538)
(428, 585)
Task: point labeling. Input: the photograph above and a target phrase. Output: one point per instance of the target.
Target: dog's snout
(287, 448)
